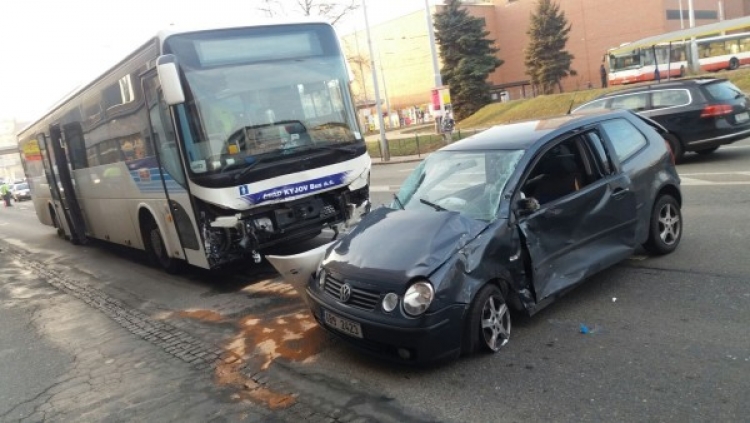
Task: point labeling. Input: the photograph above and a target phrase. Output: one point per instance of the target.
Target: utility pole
(433, 51)
(385, 151)
(694, 64)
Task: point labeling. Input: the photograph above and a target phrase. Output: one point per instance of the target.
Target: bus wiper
(398, 201)
(350, 149)
(433, 205)
(247, 168)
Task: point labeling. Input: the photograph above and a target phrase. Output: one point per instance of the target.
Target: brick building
(403, 60)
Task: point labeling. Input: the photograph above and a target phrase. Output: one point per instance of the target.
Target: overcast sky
(50, 47)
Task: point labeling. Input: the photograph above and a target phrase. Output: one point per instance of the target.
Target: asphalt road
(668, 336)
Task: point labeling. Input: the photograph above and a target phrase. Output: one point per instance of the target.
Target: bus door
(67, 213)
(181, 233)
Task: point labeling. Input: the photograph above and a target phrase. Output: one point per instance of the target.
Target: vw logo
(345, 292)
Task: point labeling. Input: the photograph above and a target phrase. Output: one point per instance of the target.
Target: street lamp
(385, 152)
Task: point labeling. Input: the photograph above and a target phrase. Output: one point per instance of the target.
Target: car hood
(401, 244)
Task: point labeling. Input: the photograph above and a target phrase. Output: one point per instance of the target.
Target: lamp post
(433, 50)
(385, 152)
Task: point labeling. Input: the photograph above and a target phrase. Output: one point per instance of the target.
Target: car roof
(681, 83)
(522, 135)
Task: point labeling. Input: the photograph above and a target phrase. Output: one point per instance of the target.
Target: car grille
(360, 298)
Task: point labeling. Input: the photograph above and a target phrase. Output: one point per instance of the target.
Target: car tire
(706, 151)
(678, 151)
(665, 230)
(156, 250)
(734, 63)
(487, 324)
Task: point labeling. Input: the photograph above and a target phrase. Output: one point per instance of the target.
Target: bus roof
(161, 36)
(684, 34)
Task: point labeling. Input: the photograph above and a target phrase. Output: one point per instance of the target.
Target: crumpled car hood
(401, 244)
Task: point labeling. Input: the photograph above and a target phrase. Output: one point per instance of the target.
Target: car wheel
(488, 321)
(665, 231)
(678, 152)
(157, 251)
(707, 150)
(734, 63)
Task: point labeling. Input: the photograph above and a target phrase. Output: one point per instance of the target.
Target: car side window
(669, 98)
(560, 171)
(624, 136)
(599, 152)
(594, 105)
(636, 102)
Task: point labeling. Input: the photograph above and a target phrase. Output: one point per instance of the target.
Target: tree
(547, 62)
(331, 10)
(468, 58)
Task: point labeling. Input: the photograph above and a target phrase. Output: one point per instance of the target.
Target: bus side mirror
(169, 78)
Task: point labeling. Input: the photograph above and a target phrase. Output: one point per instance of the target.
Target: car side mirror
(527, 206)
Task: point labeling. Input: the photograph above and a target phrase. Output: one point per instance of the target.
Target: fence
(418, 145)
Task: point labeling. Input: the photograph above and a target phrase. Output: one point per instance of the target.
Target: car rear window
(723, 91)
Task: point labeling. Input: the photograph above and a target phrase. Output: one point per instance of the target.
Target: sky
(48, 48)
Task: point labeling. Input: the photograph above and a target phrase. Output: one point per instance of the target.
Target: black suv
(700, 114)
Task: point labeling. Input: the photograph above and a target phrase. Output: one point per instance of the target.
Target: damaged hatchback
(510, 218)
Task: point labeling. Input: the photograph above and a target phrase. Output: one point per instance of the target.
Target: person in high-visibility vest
(5, 192)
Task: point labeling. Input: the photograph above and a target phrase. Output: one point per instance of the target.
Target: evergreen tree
(468, 58)
(547, 62)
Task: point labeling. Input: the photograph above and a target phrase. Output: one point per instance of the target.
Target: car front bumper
(431, 337)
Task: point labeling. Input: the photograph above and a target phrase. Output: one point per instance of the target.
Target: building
(403, 59)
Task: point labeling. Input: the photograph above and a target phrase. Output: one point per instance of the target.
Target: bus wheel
(157, 250)
(734, 63)
(56, 224)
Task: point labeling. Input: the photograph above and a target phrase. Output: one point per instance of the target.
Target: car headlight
(418, 298)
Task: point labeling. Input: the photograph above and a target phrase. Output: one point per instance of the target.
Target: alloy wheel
(495, 323)
(669, 224)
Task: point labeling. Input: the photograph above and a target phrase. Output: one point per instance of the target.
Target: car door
(587, 228)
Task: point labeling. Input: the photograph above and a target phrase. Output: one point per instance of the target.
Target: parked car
(20, 192)
(512, 217)
(700, 114)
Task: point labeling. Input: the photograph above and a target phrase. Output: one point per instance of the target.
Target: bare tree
(331, 10)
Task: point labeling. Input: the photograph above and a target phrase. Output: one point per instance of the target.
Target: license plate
(741, 117)
(343, 325)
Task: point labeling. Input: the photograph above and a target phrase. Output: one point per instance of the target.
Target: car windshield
(467, 182)
(22, 186)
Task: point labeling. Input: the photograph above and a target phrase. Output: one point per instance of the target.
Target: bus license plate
(343, 325)
(741, 117)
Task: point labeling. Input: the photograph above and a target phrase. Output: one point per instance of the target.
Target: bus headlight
(418, 298)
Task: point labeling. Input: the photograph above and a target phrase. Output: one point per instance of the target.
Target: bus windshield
(262, 94)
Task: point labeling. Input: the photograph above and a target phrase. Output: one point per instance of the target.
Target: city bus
(205, 146)
(718, 46)
(627, 66)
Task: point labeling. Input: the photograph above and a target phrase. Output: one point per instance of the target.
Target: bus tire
(56, 224)
(156, 249)
(734, 63)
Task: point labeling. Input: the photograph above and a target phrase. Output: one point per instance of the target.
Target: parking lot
(666, 338)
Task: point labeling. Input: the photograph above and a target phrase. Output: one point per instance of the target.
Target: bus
(205, 146)
(718, 46)
(724, 52)
(627, 66)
